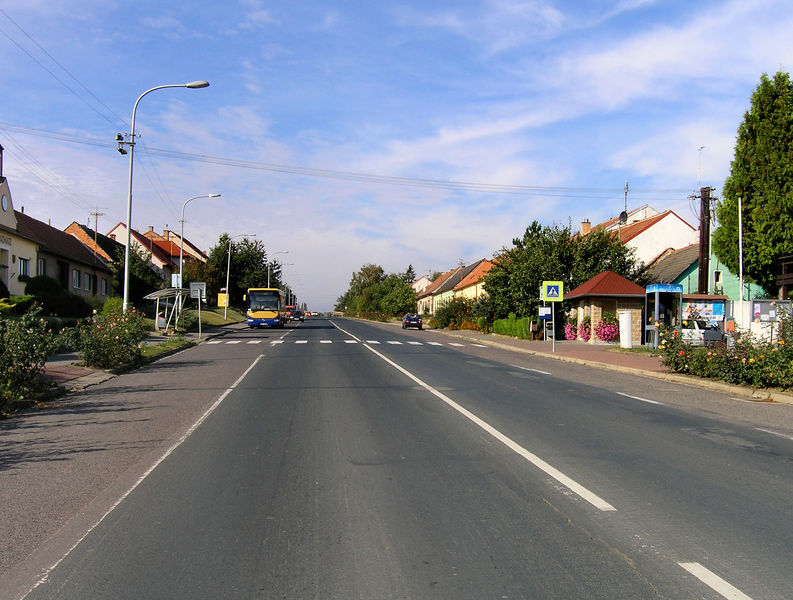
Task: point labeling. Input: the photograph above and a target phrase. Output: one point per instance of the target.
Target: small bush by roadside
(767, 364)
(25, 346)
(113, 338)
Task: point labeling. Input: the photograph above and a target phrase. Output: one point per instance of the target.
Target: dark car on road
(296, 315)
(411, 320)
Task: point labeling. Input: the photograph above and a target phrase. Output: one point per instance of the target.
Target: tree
(248, 267)
(409, 276)
(143, 279)
(762, 175)
(552, 254)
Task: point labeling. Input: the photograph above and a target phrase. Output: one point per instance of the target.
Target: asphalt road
(359, 461)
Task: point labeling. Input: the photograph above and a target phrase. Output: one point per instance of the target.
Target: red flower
(682, 352)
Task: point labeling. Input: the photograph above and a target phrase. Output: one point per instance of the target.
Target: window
(24, 267)
(104, 286)
(76, 279)
(41, 267)
(87, 282)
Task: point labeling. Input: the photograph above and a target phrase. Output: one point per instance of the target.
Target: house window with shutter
(41, 267)
(76, 279)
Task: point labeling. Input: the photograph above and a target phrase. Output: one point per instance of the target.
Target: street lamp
(181, 238)
(270, 264)
(131, 144)
(228, 270)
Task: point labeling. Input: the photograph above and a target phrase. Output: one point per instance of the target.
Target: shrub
(113, 338)
(764, 364)
(455, 311)
(25, 345)
(54, 299)
(585, 329)
(481, 324)
(519, 328)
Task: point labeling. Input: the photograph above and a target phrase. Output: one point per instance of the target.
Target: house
(682, 267)
(170, 241)
(106, 248)
(29, 247)
(421, 284)
(472, 286)
(425, 301)
(651, 235)
(608, 292)
(162, 260)
(445, 292)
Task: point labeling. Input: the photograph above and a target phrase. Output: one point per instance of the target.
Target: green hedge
(513, 326)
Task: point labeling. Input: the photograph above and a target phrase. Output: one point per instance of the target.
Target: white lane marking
(350, 341)
(233, 341)
(456, 344)
(325, 341)
(301, 341)
(479, 345)
(782, 435)
(713, 581)
(415, 343)
(372, 342)
(214, 342)
(277, 342)
(434, 344)
(393, 342)
(638, 398)
(566, 481)
(145, 474)
(528, 369)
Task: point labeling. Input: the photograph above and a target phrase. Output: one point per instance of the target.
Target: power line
(470, 186)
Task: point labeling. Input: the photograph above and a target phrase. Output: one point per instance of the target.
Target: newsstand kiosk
(663, 306)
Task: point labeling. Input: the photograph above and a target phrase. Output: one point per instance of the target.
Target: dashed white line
(415, 343)
(350, 341)
(434, 344)
(638, 398)
(776, 433)
(255, 342)
(713, 581)
(233, 341)
(394, 342)
(528, 369)
(325, 341)
(372, 342)
(301, 341)
(277, 342)
(479, 345)
(456, 344)
(214, 342)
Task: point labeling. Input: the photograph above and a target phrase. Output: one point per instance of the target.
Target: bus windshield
(263, 300)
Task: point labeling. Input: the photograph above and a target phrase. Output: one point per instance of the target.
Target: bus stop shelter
(172, 299)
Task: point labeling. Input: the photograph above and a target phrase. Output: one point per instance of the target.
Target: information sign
(198, 289)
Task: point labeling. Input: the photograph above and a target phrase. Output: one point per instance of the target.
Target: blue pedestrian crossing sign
(553, 291)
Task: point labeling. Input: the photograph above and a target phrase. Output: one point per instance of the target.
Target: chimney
(112, 236)
(586, 227)
(151, 229)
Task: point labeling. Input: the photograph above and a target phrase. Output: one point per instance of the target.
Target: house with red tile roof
(648, 232)
(607, 292)
(425, 301)
(472, 286)
(161, 260)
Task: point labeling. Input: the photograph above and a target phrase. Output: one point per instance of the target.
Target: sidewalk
(67, 371)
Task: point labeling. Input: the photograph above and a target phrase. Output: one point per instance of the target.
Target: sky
(423, 133)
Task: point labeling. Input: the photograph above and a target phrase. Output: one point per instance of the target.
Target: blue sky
(563, 100)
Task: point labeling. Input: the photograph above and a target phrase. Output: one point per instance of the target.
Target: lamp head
(197, 84)
(213, 195)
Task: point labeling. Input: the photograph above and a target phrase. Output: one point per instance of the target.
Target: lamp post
(228, 270)
(131, 144)
(269, 264)
(181, 239)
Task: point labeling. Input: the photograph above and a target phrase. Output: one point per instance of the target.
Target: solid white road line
(146, 473)
(713, 581)
(566, 481)
(638, 398)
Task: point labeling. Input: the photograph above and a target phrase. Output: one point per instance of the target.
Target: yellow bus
(265, 307)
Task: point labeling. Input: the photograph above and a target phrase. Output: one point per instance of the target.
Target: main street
(346, 459)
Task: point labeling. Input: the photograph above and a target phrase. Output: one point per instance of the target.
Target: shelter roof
(607, 283)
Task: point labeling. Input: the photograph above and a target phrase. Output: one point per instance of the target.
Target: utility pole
(96, 214)
(704, 240)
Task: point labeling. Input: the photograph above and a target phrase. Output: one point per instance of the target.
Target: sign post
(198, 289)
(553, 291)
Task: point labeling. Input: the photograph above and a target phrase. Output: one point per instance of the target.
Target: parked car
(697, 332)
(411, 320)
